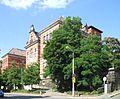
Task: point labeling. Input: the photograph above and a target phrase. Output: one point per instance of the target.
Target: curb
(25, 94)
(114, 94)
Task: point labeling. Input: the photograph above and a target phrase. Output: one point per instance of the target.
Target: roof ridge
(61, 18)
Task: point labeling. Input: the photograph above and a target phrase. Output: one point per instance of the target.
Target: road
(21, 96)
(57, 96)
(29, 96)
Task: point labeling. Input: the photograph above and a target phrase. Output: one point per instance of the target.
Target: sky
(16, 17)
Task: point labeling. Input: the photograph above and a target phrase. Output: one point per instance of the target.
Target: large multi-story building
(35, 44)
(14, 55)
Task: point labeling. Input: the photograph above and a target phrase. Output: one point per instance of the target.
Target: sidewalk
(54, 94)
(65, 95)
(114, 93)
(107, 96)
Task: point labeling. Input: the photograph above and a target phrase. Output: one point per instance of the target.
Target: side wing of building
(14, 55)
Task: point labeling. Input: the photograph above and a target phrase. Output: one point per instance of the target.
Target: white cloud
(17, 4)
(55, 3)
(24, 4)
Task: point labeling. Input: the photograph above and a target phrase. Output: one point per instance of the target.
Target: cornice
(31, 44)
(50, 26)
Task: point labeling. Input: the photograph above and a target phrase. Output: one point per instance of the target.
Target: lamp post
(73, 73)
(105, 85)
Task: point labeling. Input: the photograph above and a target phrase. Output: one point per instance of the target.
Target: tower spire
(32, 28)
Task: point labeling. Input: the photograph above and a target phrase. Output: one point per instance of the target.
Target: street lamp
(105, 85)
(73, 73)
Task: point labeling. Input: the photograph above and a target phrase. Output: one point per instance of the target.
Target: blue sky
(16, 17)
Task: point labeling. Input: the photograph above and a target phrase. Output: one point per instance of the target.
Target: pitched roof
(95, 29)
(16, 51)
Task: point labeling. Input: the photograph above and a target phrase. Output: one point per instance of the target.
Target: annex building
(14, 55)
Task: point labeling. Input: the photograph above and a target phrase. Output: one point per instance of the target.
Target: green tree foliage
(4, 78)
(14, 76)
(91, 60)
(112, 46)
(31, 74)
(58, 57)
(93, 63)
(11, 77)
(17, 76)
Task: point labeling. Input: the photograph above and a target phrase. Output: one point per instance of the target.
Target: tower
(32, 47)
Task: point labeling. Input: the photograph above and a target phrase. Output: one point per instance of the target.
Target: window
(47, 37)
(35, 52)
(50, 36)
(31, 37)
(31, 53)
(43, 38)
(5, 61)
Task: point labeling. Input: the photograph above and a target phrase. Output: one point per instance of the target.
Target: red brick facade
(91, 30)
(15, 55)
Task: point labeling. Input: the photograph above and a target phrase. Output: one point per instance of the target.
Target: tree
(11, 77)
(112, 45)
(4, 78)
(14, 75)
(56, 54)
(31, 74)
(93, 63)
(91, 59)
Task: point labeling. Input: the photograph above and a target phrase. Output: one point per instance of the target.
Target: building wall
(19, 60)
(4, 62)
(45, 36)
(32, 47)
(36, 44)
(33, 54)
(8, 59)
(93, 31)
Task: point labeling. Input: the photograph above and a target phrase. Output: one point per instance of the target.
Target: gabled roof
(16, 51)
(95, 29)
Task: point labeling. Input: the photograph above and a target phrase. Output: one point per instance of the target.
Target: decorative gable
(33, 37)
